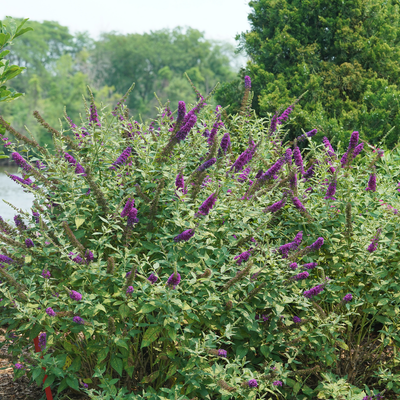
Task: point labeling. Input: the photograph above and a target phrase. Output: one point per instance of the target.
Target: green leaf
(102, 354)
(296, 387)
(99, 307)
(35, 331)
(117, 364)
(22, 31)
(63, 385)
(124, 310)
(72, 382)
(241, 351)
(79, 221)
(4, 38)
(49, 380)
(38, 375)
(150, 335)
(122, 343)
(76, 364)
(147, 308)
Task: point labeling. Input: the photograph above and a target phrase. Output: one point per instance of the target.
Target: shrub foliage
(168, 260)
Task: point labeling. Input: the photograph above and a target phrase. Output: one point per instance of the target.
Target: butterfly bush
(151, 276)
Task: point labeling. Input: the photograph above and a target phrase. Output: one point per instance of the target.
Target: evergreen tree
(345, 53)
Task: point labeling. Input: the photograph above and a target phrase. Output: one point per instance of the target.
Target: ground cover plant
(197, 257)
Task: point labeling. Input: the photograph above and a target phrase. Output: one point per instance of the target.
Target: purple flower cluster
(46, 274)
(42, 341)
(316, 290)
(36, 216)
(18, 222)
(243, 257)
(288, 156)
(247, 82)
(50, 312)
(263, 316)
(358, 150)
(89, 256)
(274, 122)
(93, 115)
(207, 205)
(272, 171)
(184, 236)
(374, 244)
(187, 127)
(78, 259)
(331, 190)
(222, 353)
(19, 366)
(224, 145)
(285, 115)
(329, 148)
(252, 383)
(206, 164)
(5, 259)
(21, 162)
(17, 179)
(296, 320)
(286, 248)
(217, 124)
(152, 278)
(371, 183)
(347, 298)
(174, 280)
(316, 245)
(243, 159)
(293, 266)
(311, 133)
(298, 204)
(128, 206)
(301, 276)
(298, 160)
(244, 175)
(310, 265)
(277, 383)
(129, 290)
(310, 172)
(123, 157)
(351, 149)
(78, 320)
(75, 295)
(29, 243)
(276, 206)
(181, 111)
(130, 212)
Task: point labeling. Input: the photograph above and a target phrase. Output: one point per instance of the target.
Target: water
(13, 193)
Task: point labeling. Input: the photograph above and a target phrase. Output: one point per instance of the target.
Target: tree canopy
(344, 53)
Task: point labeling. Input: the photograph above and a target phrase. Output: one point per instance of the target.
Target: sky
(219, 19)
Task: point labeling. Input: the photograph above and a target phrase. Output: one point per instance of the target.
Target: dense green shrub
(228, 230)
(344, 53)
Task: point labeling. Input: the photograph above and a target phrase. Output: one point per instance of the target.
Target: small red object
(37, 350)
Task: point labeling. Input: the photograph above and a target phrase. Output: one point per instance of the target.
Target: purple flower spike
(78, 259)
(222, 353)
(5, 259)
(184, 131)
(276, 206)
(271, 173)
(128, 207)
(21, 162)
(181, 111)
(75, 295)
(93, 115)
(132, 217)
(42, 341)
(50, 312)
(247, 82)
(285, 115)
(301, 276)
(252, 383)
(208, 204)
(19, 366)
(309, 294)
(347, 298)
(29, 243)
(329, 148)
(296, 320)
(331, 191)
(89, 256)
(353, 140)
(123, 157)
(46, 274)
(80, 170)
(207, 164)
(374, 244)
(260, 172)
(17, 179)
(70, 159)
(372, 183)
(78, 320)
(298, 204)
(298, 160)
(129, 290)
(173, 280)
(288, 156)
(243, 257)
(152, 278)
(310, 172)
(358, 150)
(225, 143)
(184, 236)
(277, 383)
(293, 266)
(316, 245)
(310, 265)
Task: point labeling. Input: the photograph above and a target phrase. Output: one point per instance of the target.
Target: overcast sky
(219, 19)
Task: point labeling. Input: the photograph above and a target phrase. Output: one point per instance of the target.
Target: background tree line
(59, 65)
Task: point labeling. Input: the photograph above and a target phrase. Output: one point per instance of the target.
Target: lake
(13, 193)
